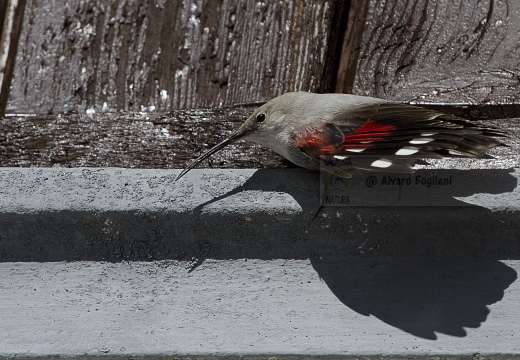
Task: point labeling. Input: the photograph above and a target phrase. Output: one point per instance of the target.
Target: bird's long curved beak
(210, 152)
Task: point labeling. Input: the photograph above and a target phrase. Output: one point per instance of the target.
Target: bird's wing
(393, 137)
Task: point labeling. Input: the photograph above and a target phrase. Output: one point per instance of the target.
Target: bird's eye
(260, 117)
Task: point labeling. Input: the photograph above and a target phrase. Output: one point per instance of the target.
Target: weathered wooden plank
(135, 140)
(167, 140)
(139, 55)
(3, 7)
(445, 51)
(350, 47)
(11, 14)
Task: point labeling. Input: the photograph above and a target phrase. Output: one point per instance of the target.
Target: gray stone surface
(253, 306)
(130, 262)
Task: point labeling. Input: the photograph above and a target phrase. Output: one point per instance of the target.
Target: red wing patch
(316, 139)
(372, 127)
(325, 140)
(366, 134)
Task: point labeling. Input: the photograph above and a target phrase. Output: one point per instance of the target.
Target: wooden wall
(161, 55)
(443, 51)
(11, 15)
(199, 67)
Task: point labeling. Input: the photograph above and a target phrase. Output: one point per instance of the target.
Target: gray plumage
(374, 134)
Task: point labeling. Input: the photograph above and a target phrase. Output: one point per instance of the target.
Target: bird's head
(263, 127)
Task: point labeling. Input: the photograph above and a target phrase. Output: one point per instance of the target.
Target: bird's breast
(288, 148)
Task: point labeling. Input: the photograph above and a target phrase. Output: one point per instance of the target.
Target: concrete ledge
(129, 262)
(116, 214)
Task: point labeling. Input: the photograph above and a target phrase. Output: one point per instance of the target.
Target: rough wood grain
(135, 140)
(462, 52)
(161, 55)
(3, 7)
(350, 47)
(167, 140)
(11, 15)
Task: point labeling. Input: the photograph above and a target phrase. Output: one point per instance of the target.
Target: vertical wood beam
(12, 15)
(349, 54)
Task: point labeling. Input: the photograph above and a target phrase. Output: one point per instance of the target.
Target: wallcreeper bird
(372, 134)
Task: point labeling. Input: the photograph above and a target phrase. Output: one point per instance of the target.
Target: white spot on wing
(355, 150)
(382, 163)
(164, 95)
(428, 133)
(339, 157)
(408, 150)
(420, 141)
(455, 152)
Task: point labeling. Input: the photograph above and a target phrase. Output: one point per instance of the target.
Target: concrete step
(129, 262)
